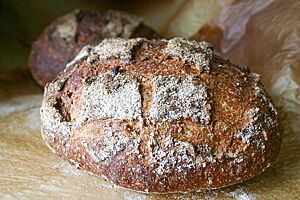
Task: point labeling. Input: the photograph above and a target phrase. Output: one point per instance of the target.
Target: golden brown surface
(29, 169)
(236, 137)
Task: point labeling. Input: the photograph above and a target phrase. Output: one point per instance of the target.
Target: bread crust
(195, 120)
(64, 37)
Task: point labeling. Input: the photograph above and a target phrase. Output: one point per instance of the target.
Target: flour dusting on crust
(112, 142)
(108, 49)
(174, 98)
(110, 96)
(198, 53)
(114, 49)
(120, 24)
(67, 26)
(261, 93)
(103, 149)
(172, 154)
(52, 120)
(254, 132)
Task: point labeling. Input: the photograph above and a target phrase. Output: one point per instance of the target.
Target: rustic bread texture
(63, 39)
(158, 119)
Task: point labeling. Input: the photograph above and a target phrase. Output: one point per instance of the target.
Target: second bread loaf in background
(62, 40)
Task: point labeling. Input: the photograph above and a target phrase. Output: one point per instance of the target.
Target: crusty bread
(160, 116)
(63, 38)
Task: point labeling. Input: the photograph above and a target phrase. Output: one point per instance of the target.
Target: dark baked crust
(62, 40)
(200, 122)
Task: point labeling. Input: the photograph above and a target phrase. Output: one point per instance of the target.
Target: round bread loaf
(62, 40)
(160, 116)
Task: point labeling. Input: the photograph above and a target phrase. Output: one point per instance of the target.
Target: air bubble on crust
(198, 53)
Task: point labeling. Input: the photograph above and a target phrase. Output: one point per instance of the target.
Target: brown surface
(29, 170)
(221, 133)
(50, 52)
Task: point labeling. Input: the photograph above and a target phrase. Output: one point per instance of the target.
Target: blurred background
(21, 21)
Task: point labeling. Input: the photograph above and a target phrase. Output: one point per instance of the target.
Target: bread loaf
(160, 116)
(63, 39)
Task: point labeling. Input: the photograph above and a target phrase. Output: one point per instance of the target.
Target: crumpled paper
(264, 35)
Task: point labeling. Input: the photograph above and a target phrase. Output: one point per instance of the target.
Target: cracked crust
(166, 126)
(64, 37)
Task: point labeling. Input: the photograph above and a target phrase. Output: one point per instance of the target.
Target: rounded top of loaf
(172, 109)
(65, 36)
(110, 24)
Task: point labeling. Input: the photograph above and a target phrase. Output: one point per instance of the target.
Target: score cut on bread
(160, 116)
(61, 41)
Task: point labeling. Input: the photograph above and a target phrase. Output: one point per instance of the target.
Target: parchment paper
(263, 35)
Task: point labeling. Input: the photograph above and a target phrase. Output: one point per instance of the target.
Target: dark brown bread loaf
(62, 40)
(160, 116)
